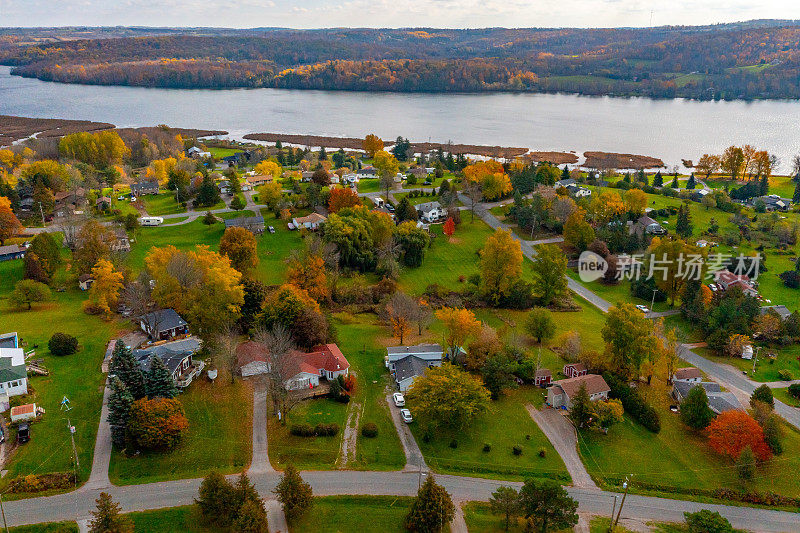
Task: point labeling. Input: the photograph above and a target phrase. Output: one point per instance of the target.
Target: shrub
(454, 443)
(785, 375)
(794, 390)
(517, 450)
(41, 482)
(542, 452)
(487, 447)
(633, 403)
(369, 430)
(301, 430)
(62, 344)
(326, 430)
(157, 424)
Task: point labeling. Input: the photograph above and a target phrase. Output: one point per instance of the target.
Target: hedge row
(633, 403)
(39, 483)
(320, 430)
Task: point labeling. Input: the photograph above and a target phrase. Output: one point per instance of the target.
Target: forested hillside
(760, 59)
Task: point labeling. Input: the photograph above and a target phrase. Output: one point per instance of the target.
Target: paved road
(260, 459)
(98, 478)
(173, 493)
(561, 434)
(414, 459)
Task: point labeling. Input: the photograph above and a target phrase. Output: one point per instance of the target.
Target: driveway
(98, 479)
(260, 461)
(562, 436)
(414, 459)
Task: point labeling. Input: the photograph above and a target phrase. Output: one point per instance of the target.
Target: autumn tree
(460, 326)
(732, 162)
(606, 206)
(474, 195)
(298, 313)
(341, 198)
(294, 494)
(629, 339)
(578, 233)
(547, 506)
(268, 168)
(412, 241)
(539, 324)
(708, 164)
(157, 424)
(400, 311)
(270, 194)
(500, 264)
(733, 431)
(48, 253)
(486, 344)
(93, 243)
(239, 245)
(104, 292)
(306, 269)
(635, 201)
(549, 273)
(108, 518)
(449, 227)
(387, 167)
(432, 509)
(446, 396)
(9, 223)
(100, 149)
(372, 144)
(491, 177)
(27, 292)
(669, 262)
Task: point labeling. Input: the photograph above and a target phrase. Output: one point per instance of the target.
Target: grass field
(162, 204)
(677, 457)
(219, 437)
(219, 153)
(419, 199)
(365, 514)
(621, 292)
(184, 519)
(506, 424)
(783, 395)
(76, 376)
(307, 453)
(49, 527)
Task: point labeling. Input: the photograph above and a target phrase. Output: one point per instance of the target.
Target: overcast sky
(388, 13)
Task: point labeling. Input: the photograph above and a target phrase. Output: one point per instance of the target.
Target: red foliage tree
(341, 198)
(157, 424)
(449, 227)
(733, 431)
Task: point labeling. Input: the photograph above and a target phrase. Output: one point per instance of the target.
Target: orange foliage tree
(341, 198)
(460, 324)
(307, 271)
(733, 431)
(449, 227)
(491, 176)
(9, 223)
(157, 424)
(371, 144)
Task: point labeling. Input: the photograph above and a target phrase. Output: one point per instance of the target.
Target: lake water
(669, 129)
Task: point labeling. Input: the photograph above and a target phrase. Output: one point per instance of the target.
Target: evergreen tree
(674, 183)
(547, 505)
(746, 464)
(695, 411)
(119, 408)
(252, 518)
(216, 499)
(234, 186)
(207, 193)
(658, 180)
(641, 177)
(763, 185)
(405, 211)
(693, 308)
(683, 226)
(281, 158)
(581, 411)
(772, 433)
(796, 195)
(127, 369)
(244, 491)
(294, 494)
(237, 204)
(432, 509)
(764, 395)
(692, 182)
(108, 517)
(209, 218)
(565, 173)
(159, 380)
(323, 155)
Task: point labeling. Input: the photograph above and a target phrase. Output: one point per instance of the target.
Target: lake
(669, 129)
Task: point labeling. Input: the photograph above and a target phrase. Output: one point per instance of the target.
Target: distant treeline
(727, 61)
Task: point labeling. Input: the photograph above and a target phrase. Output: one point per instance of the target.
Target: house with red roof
(726, 279)
(306, 368)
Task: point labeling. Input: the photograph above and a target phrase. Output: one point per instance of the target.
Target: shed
(23, 412)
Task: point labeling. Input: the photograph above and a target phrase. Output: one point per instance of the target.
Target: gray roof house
(430, 211)
(564, 183)
(409, 362)
(177, 357)
(782, 311)
(408, 369)
(163, 324)
(144, 187)
(9, 340)
(718, 400)
(253, 224)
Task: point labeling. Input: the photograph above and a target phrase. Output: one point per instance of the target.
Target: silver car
(405, 414)
(399, 400)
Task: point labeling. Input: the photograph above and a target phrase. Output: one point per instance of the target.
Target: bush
(633, 403)
(157, 424)
(326, 430)
(487, 447)
(61, 344)
(517, 450)
(454, 443)
(542, 452)
(301, 430)
(369, 430)
(41, 482)
(785, 375)
(794, 391)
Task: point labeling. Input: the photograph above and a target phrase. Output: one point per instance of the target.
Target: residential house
(349, 178)
(254, 224)
(85, 282)
(407, 370)
(252, 359)
(366, 173)
(163, 324)
(259, 179)
(66, 202)
(12, 251)
(197, 153)
(564, 183)
(687, 374)
(311, 222)
(26, 203)
(576, 191)
(177, 357)
(718, 401)
(573, 370)
(103, 203)
(306, 176)
(305, 369)
(647, 225)
(430, 211)
(772, 202)
(562, 392)
(407, 363)
(13, 375)
(121, 243)
(21, 413)
(418, 172)
(725, 279)
(9, 340)
(543, 378)
(144, 187)
(781, 310)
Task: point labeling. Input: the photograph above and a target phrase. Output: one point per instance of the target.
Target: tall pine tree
(692, 182)
(796, 196)
(658, 180)
(159, 380)
(127, 369)
(108, 517)
(119, 408)
(763, 185)
(431, 510)
(683, 226)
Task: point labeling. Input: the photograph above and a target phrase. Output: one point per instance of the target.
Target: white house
(13, 375)
(252, 358)
(197, 153)
(311, 221)
(407, 363)
(430, 211)
(563, 391)
(305, 369)
(687, 374)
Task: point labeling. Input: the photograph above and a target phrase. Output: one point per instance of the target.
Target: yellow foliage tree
(460, 324)
(501, 264)
(239, 245)
(159, 169)
(491, 176)
(307, 271)
(446, 396)
(606, 206)
(269, 168)
(372, 144)
(104, 292)
(635, 201)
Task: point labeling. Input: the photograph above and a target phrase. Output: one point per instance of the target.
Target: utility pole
(3, 511)
(624, 486)
(41, 212)
(653, 301)
(71, 429)
(755, 359)
(613, 510)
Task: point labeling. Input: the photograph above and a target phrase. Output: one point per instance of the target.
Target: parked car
(2, 435)
(643, 309)
(405, 414)
(24, 433)
(399, 400)
(271, 229)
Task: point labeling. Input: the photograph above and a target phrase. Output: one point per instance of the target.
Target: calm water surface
(669, 129)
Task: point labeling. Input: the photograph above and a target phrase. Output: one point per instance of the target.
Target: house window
(14, 383)
(1, 386)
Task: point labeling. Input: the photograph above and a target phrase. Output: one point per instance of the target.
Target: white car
(405, 414)
(399, 400)
(643, 309)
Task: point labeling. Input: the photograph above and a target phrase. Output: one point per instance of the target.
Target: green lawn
(480, 519)
(369, 185)
(365, 514)
(766, 368)
(307, 453)
(49, 527)
(219, 437)
(419, 199)
(76, 376)
(783, 395)
(162, 204)
(621, 292)
(599, 524)
(219, 153)
(677, 458)
(506, 423)
(184, 519)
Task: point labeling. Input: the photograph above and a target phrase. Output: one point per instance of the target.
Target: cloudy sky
(388, 13)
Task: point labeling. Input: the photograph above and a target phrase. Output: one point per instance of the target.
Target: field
(783, 395)
(621, 292)
(220, 417)
(365, 514)
(49, 527)
(75, 376)
(307, 453)
(162, 203)
(185, 519)
(219, 153)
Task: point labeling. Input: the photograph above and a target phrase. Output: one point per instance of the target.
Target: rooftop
(409, 367)
(595, 384)
(164, 319)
